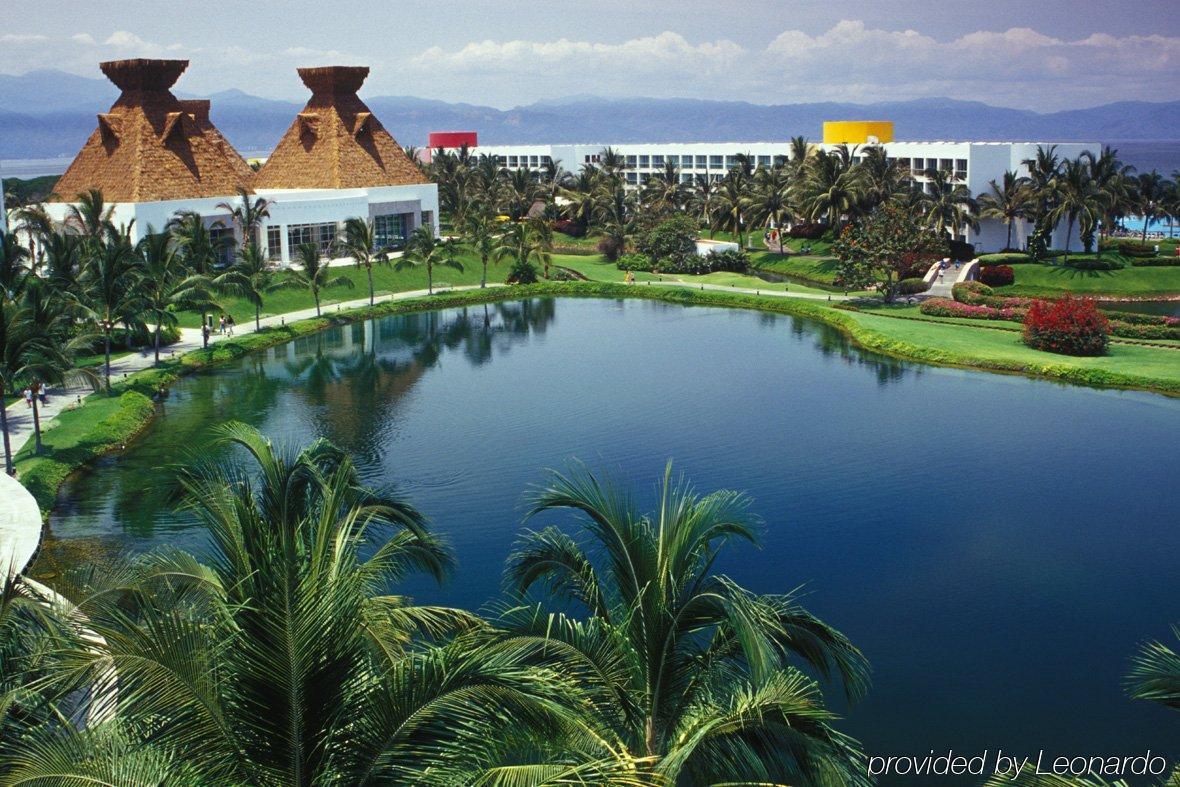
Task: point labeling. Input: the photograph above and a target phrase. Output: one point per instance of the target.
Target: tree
(481, 234)
(247, 215)
(829, 189)
(670, 241)
(425, 250)
(880, 178)
(201, 251)
(91, 217)
(524, 241)
(881, 247)
(770, 199)
(286, 659)
(1078, 200)
(1007, 203)
(25, 354)
(1152, 191)
(256, 277)
(167, 285)
(731, 203)
(1043, 170)
(315, 275)
(360, 243)
(949, 205)
(693, 672)
(111, 295)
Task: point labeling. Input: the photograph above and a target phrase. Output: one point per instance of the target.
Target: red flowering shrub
(1071, 326)
(809, 231)
(996, 275)
(945, 307)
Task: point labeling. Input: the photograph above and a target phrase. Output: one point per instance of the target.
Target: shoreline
(44, 475)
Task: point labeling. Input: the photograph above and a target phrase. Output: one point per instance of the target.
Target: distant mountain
(47, 114)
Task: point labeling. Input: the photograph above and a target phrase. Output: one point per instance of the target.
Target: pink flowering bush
(945, 307)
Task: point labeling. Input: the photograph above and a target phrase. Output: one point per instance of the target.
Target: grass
(810, 267)
(1035, 280)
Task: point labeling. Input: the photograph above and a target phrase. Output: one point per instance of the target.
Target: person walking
(28, 394)
(229, 324)
(221, 324)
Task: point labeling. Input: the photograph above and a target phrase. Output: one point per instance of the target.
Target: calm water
(996, 545)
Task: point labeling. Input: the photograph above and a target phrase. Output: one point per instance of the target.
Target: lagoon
(996, 545)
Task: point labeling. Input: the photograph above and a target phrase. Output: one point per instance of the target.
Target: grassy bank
(103, 424)
(1036, 280)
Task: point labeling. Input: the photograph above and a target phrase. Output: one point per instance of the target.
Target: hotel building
(154, 155)
(972, 163)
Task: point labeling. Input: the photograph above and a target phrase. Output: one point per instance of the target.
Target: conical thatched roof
(151, 145)
(335, 142)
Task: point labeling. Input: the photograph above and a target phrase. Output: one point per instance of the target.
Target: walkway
(944, 287)
(20, 527)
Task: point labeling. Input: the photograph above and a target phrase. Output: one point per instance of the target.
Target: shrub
(961, 250)
(1139, 331)
(1135, 248)
(669, 243)
(1004, 258)
(734, 260)
(1155, 262)
(997, 275)
(610, 247)
(945, 307)
(569, 227)
(912, 286)
(807, 231)
(523, 273)
(1094, 265)
(1071, 326)
(966, 290)
(634, 262)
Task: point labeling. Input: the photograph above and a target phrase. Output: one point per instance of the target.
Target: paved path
(20, 527)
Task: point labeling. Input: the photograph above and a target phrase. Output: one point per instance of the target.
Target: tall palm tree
(25, 354)
(15, 271)
(829, 189)
(425, 250)
(580, 195)
(770, 197)
(90, 216)
(315, 275)
(256, 277)
(1152, 191)
(695, 673)
(481, 233)
(360, 243)
(611, 161)
(949, 205)
(731, 204)
(521, 190)
(111, 294)
(1043, 170)
(881, 178)
(525, 242)
(1079, 200)
(1114, 179)
(800, 152)
(1006, 202)
(200, 250)
(701, 198)
(286, 659)
(167, 285)
(247, 215)
(663, 192)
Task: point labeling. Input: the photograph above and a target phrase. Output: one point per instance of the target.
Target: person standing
(28, 393)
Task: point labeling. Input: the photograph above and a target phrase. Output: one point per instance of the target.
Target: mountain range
(47, 114)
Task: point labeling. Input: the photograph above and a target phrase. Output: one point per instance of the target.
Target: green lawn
(959, 344)
(1050, 280)
(812, 267)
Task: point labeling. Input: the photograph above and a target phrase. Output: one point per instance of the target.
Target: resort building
(971, 163)
(154, 155)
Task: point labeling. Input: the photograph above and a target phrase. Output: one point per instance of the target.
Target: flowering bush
(1131, 330)
(568, 227)
(996, 275)
(1071, 326)
(808, 231)
(945, 307)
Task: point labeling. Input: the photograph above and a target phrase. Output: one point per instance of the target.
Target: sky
(1035, 54)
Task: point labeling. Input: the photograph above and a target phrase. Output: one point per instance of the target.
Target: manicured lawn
(597, 267)
(588, 242)
(815, 268)
(1034, 279)
(1006, 347)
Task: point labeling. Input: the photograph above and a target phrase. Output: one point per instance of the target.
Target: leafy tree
(693, 673)
(1008, 202)
(315, 275)
(731, 203)
(949, 205)
(425, 250)
(111, 294)
(481, 234)
(247, 215)
(201, 251)
(256, 277)
(671, 240)
(167, 285)
(880, 248)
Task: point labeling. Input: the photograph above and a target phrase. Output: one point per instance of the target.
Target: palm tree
(521, 191)
(1078, 199)
(1113, 179)
(26, 354)
(425, 250)
(15, 272)
(695, 673)
(949, 205)
(800, 152)
(1151, 194)
(287, 660)
(315, 275)
(256, 277)
(360, 243)
(1043, 170)
(829, 189)
(481, 235)
(881, 178)
(90, 216)
(663, 192)
(247, 215)
(731, 203)
(770, 198)
(701, 197)
(580, 194)
(201, 251)
(1008, 202)
(1155, 674)
(110, 289)
(611, 161)
(166, 283)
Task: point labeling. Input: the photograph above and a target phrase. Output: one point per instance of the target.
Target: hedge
(1085, 264)
(1004, 259)
(1155, 262)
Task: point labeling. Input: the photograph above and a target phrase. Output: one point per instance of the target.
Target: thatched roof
(336, 142)
(153, 146)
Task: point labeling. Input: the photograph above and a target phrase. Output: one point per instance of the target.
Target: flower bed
(997, 275)
(945, 307)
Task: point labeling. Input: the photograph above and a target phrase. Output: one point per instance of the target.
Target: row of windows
(389, 231)
(532, 162)
(726, 162)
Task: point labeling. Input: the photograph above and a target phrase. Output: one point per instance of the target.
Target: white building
(153, 156)
(973, 163)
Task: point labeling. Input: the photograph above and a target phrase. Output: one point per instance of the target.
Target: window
(534, 161)
(702, 162)
(686, 178)
(322, 235)
(631, 178)
(546, 160)
(903, 163)
(780, 161)
(730, 162)
(389, 231)
(657, 161)
(512, 161)
(716, 162)
(631, 161)
(274, 242)
(644, 161)
(764, 161)
(225, 242)
(428, 219)
(945, 164)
